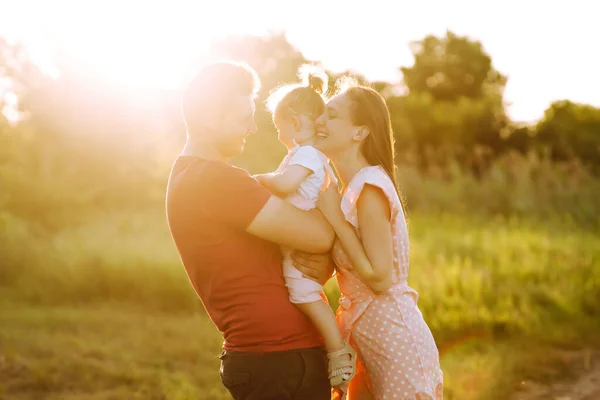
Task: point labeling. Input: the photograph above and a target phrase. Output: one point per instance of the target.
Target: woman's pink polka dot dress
(396, 349)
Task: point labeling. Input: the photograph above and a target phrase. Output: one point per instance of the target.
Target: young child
(300, 178)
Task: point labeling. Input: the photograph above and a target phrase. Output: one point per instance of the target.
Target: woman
(378, 313)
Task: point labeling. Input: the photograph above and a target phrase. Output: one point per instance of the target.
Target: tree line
(81, 141)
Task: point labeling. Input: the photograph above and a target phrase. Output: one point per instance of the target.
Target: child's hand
(260, 178)
(329, 203)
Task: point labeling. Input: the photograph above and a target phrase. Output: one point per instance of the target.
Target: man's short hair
(214, 86)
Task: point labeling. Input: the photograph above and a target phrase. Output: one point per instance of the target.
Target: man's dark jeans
(283, 375)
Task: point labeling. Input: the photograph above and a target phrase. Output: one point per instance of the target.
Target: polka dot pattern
(394, 343)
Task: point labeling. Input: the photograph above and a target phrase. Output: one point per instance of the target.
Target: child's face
(295, 129)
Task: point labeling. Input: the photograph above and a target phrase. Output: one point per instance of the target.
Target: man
(228, 229)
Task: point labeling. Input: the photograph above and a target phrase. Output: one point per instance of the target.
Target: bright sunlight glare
(131, 43)
(157, 44)
(142, 45)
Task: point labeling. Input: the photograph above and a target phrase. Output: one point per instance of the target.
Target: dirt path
(580, 380)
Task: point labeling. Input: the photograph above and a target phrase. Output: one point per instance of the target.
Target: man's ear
(361, 133)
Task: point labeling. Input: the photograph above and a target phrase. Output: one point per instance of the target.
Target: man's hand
(318, 267)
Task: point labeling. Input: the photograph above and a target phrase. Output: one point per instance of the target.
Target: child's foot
(342, 366)
(339, 393)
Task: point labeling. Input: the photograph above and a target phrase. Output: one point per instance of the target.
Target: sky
(548, 50)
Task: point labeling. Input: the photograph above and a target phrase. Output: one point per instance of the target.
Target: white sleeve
(308, 157)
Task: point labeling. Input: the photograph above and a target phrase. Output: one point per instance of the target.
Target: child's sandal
(341, 371)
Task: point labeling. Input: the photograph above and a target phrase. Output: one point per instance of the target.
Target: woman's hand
(329, 203)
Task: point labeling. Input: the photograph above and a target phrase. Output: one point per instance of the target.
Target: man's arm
(282, 223)
(231, 196)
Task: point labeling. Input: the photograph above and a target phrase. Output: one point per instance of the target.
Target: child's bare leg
(323, 318)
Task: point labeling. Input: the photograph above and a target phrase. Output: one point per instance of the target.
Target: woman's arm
(372, 258)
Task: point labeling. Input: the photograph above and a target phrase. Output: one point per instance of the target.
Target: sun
(132, 43)
(127, 43)
(136, 47)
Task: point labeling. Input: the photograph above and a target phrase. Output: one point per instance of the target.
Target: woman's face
(335, 130)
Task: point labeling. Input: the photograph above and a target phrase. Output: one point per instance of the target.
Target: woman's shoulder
(373, 176)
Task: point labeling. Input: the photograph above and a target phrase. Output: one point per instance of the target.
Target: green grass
(505, 275)
(106, 353)
(103, 310)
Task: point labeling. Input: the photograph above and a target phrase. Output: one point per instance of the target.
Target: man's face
(233, 126)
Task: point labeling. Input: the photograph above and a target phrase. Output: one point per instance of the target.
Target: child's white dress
(304, 290)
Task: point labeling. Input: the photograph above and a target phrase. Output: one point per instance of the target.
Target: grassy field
(103, 309)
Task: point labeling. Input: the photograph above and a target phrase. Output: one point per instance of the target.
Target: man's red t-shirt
(237, 276)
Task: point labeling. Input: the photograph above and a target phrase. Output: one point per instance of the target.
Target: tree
(275, 60)
(17, 75)
(451, 67)
(440, 131)
(571, 130)
(454, 107)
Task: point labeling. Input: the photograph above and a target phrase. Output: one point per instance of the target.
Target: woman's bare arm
(372, 257)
